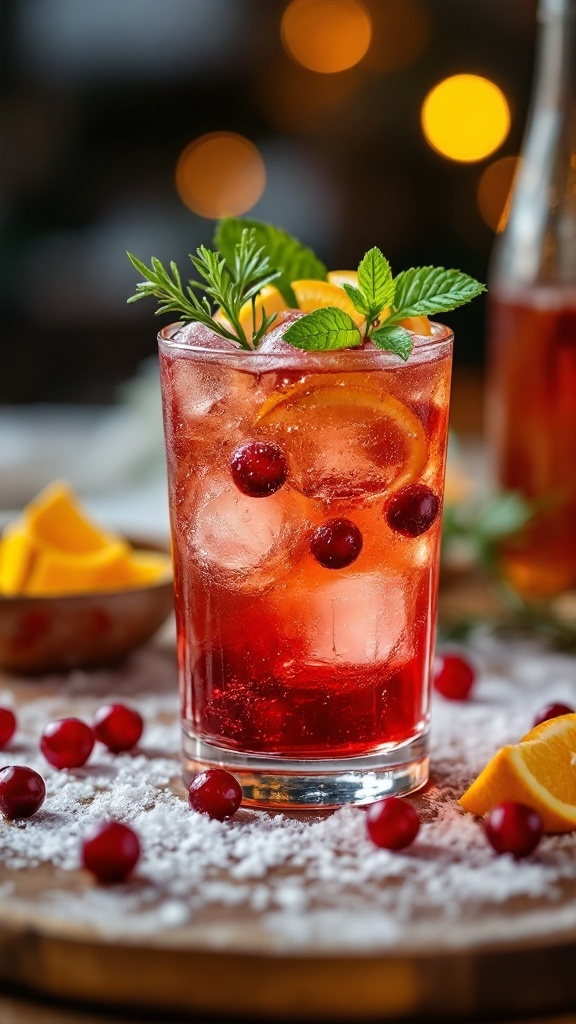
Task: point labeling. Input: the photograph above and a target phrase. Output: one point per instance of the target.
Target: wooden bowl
(55, 634)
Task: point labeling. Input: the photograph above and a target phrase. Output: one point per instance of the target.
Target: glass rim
(425, 347)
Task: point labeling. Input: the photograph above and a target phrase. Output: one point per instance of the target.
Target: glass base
(292, 784)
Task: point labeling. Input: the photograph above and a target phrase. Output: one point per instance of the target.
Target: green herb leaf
(375, 281)
(294, 260)
(327, 328)
(427, 290)
(394, 339)
(357, 299)
(230, 283)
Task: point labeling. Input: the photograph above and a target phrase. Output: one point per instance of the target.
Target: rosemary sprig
(229, 284)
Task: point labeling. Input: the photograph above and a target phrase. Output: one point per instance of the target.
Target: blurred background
(133, 124)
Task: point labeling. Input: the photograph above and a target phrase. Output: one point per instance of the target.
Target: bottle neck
(555, 66)
(539, 243)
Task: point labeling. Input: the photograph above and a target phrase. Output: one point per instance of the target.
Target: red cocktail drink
(305, 497)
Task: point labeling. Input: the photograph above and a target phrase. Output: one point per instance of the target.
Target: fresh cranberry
(22, 791)
(258, 468)
(7, 725)
(67, 743)
(118, 727)
(336, 543)
(392, 823)
(453, 676)
(513, 828)
(413, 510)
(110, 851)
(216, 793)
(552, 711)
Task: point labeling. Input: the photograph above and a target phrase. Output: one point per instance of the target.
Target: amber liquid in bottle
(532, 324)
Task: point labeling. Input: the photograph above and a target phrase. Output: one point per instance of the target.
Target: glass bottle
(531, 399)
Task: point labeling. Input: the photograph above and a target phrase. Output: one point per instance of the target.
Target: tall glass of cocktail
(306, 473)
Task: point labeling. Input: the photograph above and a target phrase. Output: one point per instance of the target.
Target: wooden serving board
(295, 916)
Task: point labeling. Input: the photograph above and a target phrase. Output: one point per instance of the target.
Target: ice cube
(273, 342)
(200, 336)
(244, 542)
(349, 619)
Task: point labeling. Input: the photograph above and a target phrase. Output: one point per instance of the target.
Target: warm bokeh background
(336, 131)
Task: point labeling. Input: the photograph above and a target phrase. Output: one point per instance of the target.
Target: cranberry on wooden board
(216, 793)
(22, 791)
(118, 726)
(258, 468)
(513, 828)
(392, 823)
(67, 743)
(7, 725)
(453, 676)
(551, 711)
(111, 851)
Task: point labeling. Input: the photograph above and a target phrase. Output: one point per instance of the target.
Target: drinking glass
(305, 501)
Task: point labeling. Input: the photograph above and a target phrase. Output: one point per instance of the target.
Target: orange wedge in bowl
(540, 772)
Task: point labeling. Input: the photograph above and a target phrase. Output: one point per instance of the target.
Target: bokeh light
(326, 35)
(465, 117)
(401, 32)
(494, 190)
(298, 101)
(221, 174)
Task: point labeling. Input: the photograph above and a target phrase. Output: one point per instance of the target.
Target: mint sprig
(293, 260)
(385, 301)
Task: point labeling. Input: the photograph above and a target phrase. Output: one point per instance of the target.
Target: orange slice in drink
(312, 294)
(540, 772)
(358, 440)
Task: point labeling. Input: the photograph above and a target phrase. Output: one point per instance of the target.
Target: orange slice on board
(312, 294)
(323, 398)
(540, 772)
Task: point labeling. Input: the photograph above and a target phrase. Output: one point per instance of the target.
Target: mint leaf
(426, 290)
(394, 339)
(357, 299)
(375, 281)
(294, 260)
(327, 328)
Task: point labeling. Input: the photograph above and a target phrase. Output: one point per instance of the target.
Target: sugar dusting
(286, 882)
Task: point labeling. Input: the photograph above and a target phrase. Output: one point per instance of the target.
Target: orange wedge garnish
(318, 395)
(540, 772)
(269, 300)
(341, 277)
(312, 294)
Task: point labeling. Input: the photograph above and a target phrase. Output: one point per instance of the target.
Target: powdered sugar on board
(277, 882)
